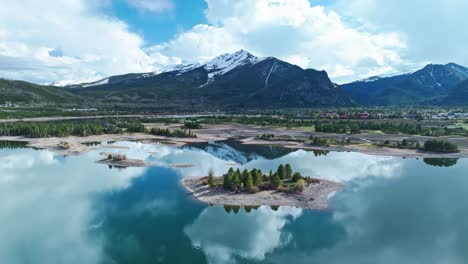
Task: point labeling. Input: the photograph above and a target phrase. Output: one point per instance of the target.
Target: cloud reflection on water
(45, 205)
(47, 201)
(248, 235)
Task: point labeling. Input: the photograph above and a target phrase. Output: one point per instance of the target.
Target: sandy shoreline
(247, 134)
(314, 196)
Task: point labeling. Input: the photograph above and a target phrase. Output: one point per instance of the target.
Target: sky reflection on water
(72, 210)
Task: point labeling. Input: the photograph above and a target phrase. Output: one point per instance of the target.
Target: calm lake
(57, 209)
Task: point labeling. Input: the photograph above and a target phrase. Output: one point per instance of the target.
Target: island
(253, 188)
(121, 161)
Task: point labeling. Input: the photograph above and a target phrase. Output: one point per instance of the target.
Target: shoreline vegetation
(254, 188)
(290, 132)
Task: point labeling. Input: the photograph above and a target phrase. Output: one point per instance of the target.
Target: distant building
(361, 116)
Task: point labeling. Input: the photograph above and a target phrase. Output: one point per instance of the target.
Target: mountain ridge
(240, 79)
(433, 80)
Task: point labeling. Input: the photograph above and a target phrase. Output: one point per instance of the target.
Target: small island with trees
(121, 161)
(284, 187)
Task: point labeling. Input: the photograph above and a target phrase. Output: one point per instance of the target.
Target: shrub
(296, 177)
(193, 125)
(299, 186)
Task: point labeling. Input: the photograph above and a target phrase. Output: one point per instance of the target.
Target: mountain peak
(229, 61)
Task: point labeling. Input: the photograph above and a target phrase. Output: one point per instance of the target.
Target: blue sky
(159, 27)
(85, 40)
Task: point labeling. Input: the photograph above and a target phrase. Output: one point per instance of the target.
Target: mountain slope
(29, 93)
(458, 95)
(431, 81)
(230, 80)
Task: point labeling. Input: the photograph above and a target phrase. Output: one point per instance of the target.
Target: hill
(21, 92)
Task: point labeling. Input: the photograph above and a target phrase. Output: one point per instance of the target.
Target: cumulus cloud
(72, 40)
(434, 31)
(154, 6)
(91, 45)
(296, 31)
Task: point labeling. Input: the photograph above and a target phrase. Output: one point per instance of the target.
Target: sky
(69, 41)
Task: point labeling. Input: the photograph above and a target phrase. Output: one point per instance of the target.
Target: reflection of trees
(318, 153)
(6, 144)
(440, 162)
(236, 208)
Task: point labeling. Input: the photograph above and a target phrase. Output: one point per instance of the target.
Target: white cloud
(435, 31)
(201, 43)
(92, 45)
(154, 6)
(295, 31)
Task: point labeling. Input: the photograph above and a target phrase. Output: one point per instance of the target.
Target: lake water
(56, 209)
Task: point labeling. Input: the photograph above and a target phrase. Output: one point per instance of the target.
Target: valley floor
(295, 138)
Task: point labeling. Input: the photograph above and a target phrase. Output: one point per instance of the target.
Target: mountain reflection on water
(71, 210)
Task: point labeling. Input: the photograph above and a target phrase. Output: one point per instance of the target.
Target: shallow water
(58, 209)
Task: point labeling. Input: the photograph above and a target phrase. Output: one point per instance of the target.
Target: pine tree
(249, 186)
(245, 176)
(211, 180)
(228, 178)
(258, 178)
(281, 171)
(236, 182)
(275, 181)
(289, 171)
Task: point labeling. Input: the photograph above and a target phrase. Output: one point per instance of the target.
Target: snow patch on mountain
(64, 83)
(100, 82)
(181, 68)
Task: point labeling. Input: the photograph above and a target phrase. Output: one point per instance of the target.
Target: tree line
(65, 129)
(283, 179)
(186, 133)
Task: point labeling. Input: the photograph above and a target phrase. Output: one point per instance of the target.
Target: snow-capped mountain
(215, 67)
(232, 79)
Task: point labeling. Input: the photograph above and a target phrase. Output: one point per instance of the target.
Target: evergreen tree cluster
(193, 125)
(186, 133)
(440, 146)
(50, 129)
(255, 180)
